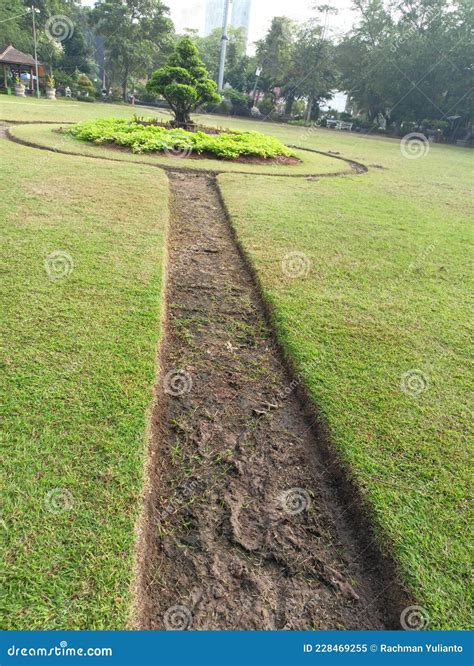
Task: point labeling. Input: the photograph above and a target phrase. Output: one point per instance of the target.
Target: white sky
(191, 13)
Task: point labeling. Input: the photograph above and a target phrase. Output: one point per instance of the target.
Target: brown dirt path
(242, 528)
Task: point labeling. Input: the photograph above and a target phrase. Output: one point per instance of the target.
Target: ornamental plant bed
(139, 138)
(282, 160)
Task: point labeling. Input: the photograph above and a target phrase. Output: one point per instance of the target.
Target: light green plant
(145, 139)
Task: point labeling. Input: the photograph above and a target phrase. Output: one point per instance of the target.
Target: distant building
(239, 18)
(241, 14)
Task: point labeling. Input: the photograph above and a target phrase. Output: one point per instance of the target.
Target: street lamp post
(224, 40)
(33, 12)
(254, 92)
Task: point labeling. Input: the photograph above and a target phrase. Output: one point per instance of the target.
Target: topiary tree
(184, 82)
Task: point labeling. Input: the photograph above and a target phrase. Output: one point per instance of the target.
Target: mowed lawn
(30, 109)
(377, 322)
(374, 312)
(80, 331)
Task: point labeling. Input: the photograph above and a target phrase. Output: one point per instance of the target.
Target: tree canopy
(402, 62)
(184, 82)
(136, 34)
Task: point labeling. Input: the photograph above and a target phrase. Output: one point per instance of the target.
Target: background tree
(62, 49)
(136, 34)
(274, 54)
(12, 15)
(184, 82)
(313, 74)
(236, 57)
(410, 62)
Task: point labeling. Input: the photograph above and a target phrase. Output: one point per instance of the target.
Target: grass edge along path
(83, 328)
(408, 454)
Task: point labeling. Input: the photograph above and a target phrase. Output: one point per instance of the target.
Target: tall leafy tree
(313, 74)
(184, 82)
(136, 34)
(236, 58)
(410, 61)
(274, 54)
(12, 26)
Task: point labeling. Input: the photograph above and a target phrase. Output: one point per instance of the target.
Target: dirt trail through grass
(242, 529)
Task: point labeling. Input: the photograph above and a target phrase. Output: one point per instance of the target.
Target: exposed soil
(242, 528)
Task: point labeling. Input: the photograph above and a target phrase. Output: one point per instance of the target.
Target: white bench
(339, 124)
(343, 125)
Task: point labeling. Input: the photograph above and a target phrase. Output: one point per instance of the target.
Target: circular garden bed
(139, 136)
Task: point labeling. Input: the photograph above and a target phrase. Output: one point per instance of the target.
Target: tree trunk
(181, 117)
(309, 108)
(289, 104)
(125, 84)
(316, 111)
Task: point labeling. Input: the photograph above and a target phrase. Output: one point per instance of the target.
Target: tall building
(241, 14)
(239, 17)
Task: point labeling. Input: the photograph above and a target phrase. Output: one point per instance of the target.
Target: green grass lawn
(30, 109)
(79, 364)
(384, 293)
(383, 290)
(311, 163)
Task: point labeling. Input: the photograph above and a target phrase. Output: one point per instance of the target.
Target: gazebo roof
(9, 55)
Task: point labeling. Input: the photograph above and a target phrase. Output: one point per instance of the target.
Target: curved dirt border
(357, 168)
